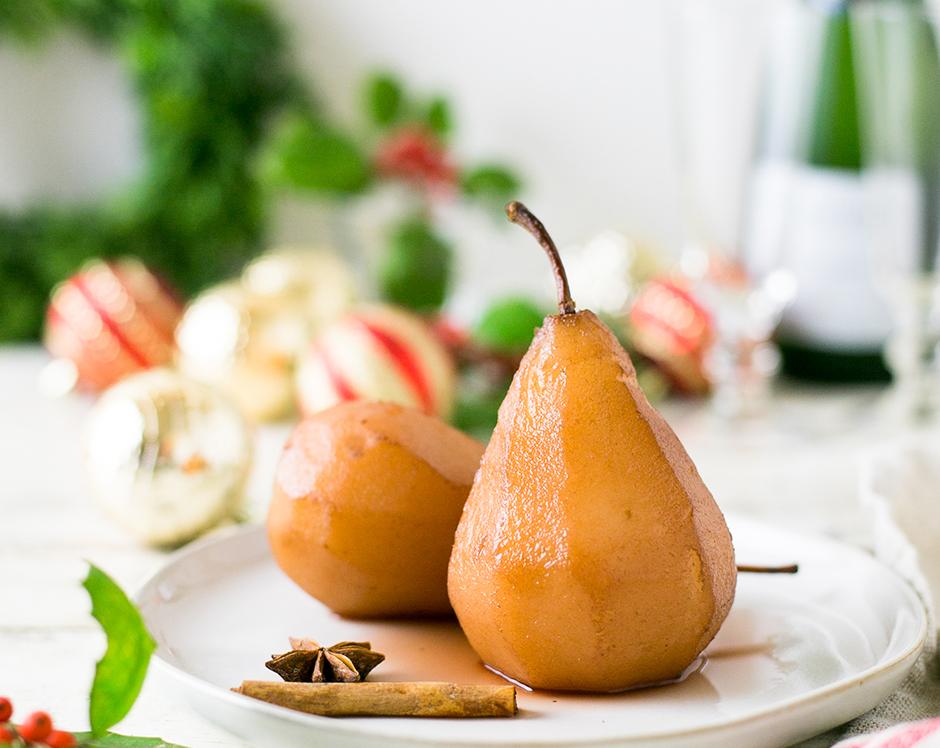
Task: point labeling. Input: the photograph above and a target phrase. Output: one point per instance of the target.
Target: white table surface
(797, 467)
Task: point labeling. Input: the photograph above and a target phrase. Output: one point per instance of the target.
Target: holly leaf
(119, 675)
(416, 269)
(113, 740)
(384, 98)
(438, 117)
(307, 154)
(490, 181)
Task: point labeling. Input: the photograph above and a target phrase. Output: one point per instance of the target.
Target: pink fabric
(913, 734)
(910, 735)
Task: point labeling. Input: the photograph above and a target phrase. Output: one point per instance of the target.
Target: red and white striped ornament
(671, 327)
(377, 353)
(111, 319)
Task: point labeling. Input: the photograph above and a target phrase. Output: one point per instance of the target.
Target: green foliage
(384, 99)
(476, 409)
(416, 269)
(226, 124)
(653, 382)
(306, 154)
(387, 105)
(113, 740)
(120, 674)
(209, 76)
(438, 117)
(28, 21)
(508, 324)
(490, 181)
(417, 266)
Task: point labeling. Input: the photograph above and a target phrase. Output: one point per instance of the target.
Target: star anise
(308, 662)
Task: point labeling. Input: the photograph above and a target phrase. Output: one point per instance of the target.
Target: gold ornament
(308, 288)
(240, 343)
(166, 457)
(245, 336)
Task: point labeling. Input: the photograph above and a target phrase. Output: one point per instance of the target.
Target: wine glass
(718, 75)
(899, 101)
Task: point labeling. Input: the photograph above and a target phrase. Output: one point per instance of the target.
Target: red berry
(60, 739)
(416, 155)
(450, 333)
(6, 736)
(6, 709)
(36, 728)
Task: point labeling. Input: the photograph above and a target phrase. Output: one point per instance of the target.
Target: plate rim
(235, 535)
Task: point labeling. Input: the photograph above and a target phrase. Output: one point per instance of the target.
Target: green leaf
(508, 324)
(307, 154)
(416, 269)
(438, 117)
(119, 675)
(113, 740)
(384, 99)
(490, 181)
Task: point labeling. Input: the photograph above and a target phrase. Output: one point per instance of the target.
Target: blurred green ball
(508, 324)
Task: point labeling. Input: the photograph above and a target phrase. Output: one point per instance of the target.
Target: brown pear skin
(590, 555)
(366, 500)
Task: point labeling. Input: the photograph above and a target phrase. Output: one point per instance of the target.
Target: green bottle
(809, 205)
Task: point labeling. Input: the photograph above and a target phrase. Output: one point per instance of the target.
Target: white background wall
(573, 94)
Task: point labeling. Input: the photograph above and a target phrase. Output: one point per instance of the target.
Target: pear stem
(521, 215)
(788, 569)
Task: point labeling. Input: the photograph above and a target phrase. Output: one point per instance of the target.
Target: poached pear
(590, 556)
(367, 496)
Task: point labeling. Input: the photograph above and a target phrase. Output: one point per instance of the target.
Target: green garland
(210, 75)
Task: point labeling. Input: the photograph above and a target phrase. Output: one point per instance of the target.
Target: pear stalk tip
(785, 569)
(522, 216)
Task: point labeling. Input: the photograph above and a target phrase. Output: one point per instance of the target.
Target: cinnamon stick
(380, 699)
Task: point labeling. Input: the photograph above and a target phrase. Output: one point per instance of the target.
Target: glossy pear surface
(590, 555)
(366, 500)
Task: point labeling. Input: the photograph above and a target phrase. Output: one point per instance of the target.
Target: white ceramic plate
(797, 655)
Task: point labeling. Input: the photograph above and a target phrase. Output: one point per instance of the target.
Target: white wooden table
(798, 468)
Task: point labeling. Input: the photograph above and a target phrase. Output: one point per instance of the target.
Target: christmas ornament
(671, 327)
(305, 288)
(166, 457)
(377, 353)
(109, 320)
(243, 344)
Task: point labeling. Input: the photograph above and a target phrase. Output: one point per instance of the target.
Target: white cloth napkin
(900, 492)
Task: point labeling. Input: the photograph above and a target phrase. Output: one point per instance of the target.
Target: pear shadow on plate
(693, 683)
(437, 650)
